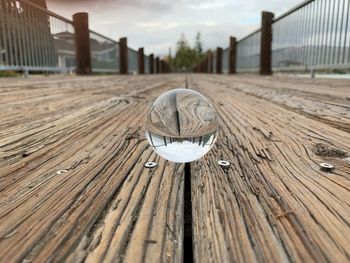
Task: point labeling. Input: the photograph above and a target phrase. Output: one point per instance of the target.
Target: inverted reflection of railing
(161, 141)
(104, 53)
(33, 38)
(248, 52)
(316, 34)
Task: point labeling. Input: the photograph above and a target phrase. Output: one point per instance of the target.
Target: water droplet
(181, 125)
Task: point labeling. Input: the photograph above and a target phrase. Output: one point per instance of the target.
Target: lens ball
(181, 125)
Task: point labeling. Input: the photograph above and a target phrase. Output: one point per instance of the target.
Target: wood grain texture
(105, 207)
(182, 114)
(273, 204)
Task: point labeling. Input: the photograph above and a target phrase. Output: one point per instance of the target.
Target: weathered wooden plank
(324, 100)
(273, 204)
(105, 206)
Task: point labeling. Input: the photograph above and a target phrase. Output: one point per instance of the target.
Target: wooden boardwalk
(73, 186)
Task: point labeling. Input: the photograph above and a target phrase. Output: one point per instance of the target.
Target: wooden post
(157, 65)
(141, 61)
(161, 66)
(219, 60)
(123, 55)
(165, 67)
(210, 63)
(204, 67)
(232, 56)
(151, 64)
(266, 43)
(82, 43)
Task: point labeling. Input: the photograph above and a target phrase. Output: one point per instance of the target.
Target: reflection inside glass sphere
(181, 125)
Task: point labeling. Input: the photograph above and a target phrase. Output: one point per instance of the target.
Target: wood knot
(323, 150)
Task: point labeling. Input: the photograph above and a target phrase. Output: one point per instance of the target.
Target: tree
(198, 44)
(182, 42)
(185, 55)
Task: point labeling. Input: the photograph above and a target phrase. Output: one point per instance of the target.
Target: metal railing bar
(315, 32)
(46, 11)
(315, 67)
(336, 33)
(18, 36)
(321, 33)
(102, 36)
(20, 68)
(341, 31)
(327, 11)
(101, 70)
(9, 33)
(309, 32)
(251, 34)
(332, 34)
(346, 31)
(3, 28)
(296, 8)
(31, 33)
(247, 70)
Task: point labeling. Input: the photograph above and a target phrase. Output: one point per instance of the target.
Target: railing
(248, 52)
(133, 61)
(104, 53)
(225, 58)
(313, 35)
(33, 38)
(214, 62)
(147, 64)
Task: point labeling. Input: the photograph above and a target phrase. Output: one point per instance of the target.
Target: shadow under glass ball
(181, 125)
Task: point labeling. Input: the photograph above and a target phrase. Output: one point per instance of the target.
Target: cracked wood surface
(103, 206)
(273, 204)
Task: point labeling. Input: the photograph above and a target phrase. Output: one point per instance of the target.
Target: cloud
(209, 23)
(208, 5)
(158, 26)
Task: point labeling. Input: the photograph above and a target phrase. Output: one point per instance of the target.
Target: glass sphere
(181, 125)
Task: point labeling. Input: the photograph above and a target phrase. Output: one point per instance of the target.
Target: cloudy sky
(158, 24)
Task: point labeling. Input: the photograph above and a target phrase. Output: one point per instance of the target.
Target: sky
(157, 25)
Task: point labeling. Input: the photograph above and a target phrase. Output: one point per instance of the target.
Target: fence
(225, 60)
(313, 35)
(147, 64)
(104, 53)
(133, 61)
(214, 62)
(248, 52)
(33, 38)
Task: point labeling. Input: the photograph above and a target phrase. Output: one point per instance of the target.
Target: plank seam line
(188, 227)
